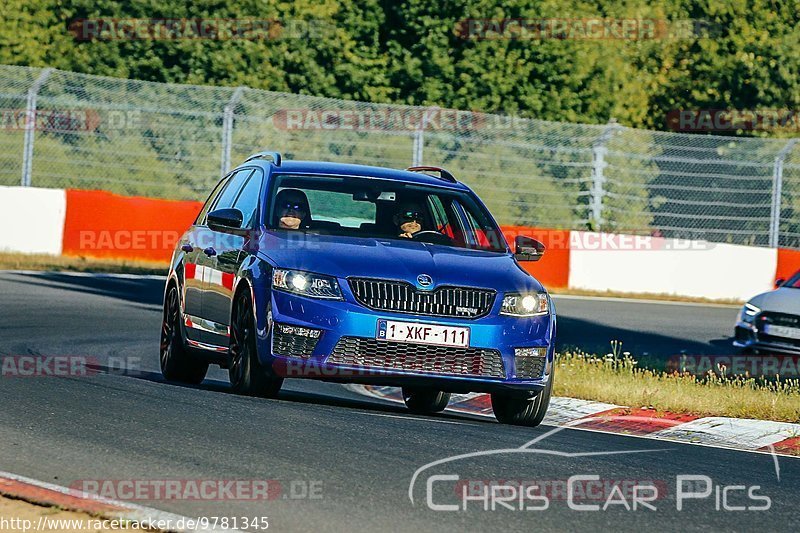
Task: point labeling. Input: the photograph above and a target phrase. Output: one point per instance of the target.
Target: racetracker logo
(44, 366)
(584, 29)
(731, 120)
(215, 29)
(50, 120)
(200, 489)
(37, 366)
(385, 118)
(768, 366)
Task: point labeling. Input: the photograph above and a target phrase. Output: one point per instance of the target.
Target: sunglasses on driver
(409, 216)
(293, 206)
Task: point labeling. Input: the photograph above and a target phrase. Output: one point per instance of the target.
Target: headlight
(525, 304)
(306, 283)
(749, 312)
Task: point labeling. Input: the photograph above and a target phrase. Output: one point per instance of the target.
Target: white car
(770, 322)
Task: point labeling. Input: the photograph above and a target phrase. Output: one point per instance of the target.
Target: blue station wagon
(358, 274)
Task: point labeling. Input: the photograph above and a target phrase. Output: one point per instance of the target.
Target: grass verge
(619, 380)
(15, 261)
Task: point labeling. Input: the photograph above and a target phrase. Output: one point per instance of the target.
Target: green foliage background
(410, 52)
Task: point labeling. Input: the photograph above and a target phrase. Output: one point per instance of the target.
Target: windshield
(372, 208)
(793, 282)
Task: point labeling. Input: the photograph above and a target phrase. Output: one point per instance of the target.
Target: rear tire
(522, 411)
(245, 372)
(177, 364)
(425, 401)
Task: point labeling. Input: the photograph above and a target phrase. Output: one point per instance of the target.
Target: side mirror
(528, 249)
(225, 219)
(779, 282)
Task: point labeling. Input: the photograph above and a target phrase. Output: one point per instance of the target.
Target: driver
(291, 209)
(408, 220)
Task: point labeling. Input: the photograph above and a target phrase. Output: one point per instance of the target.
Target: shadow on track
(143, 290)
(304, 397)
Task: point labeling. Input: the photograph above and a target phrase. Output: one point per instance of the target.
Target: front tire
(177, 364)
(246, 375)
(522, 411)
(425, 401)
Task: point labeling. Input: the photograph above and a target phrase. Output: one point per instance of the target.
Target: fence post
(777, 192)
(30, 126)
(419, 141)
(419, 136)
(227, 130)
(599, 151)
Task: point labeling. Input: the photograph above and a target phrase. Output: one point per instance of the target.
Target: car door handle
(187, 248)
(210, 251)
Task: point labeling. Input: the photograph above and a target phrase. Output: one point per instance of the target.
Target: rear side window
(248, 198)
(230, 193)
(201, 218)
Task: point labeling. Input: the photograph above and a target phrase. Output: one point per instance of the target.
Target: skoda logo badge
(424, 280)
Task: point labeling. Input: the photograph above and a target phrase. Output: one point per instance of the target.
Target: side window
(480, 235)
(201, 218)
(231, 191)
(248, 199)
(439, 214)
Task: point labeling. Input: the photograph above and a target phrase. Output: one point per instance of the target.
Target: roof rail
(275, 157)
(443, 174)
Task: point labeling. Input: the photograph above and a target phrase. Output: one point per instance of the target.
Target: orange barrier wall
(552, 269)
(788, 263)
(106, 225)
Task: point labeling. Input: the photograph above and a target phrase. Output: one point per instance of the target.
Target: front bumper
(346, 324)
(748, 337)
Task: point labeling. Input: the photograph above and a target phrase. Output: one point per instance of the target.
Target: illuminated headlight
(749, 312)
(306, 283)
(525, 304)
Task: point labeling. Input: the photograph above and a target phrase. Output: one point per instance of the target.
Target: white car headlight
(749, 312)
(525, 304)
(306, 284)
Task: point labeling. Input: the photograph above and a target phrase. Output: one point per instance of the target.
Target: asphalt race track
(344, 461)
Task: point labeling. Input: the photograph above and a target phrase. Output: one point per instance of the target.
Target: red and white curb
(738, 433)
(42, 493)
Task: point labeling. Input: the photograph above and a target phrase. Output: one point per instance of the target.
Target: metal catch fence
(69, 130)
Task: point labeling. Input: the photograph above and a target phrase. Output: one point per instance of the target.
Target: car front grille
(402, 297)
(387, 355)
(529, 367)
(778, 319)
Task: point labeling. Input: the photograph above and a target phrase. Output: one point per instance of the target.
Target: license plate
(391, 330)
(782, 331)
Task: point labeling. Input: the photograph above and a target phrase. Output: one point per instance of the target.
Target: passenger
(291, 209)
(408, 220)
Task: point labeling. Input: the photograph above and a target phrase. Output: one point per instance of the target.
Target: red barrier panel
(552, 269)
(105, 225)
(788, 263)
